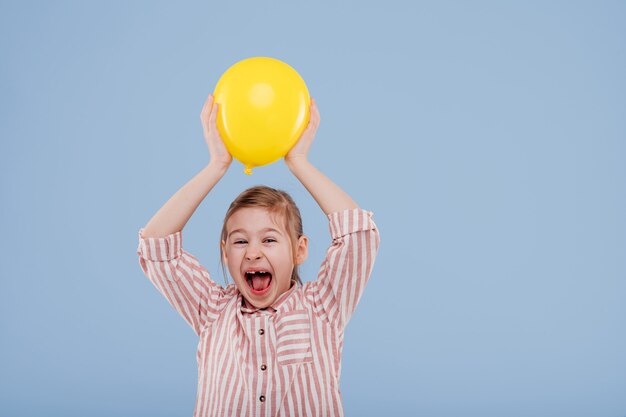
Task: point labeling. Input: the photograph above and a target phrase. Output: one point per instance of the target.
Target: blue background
(487, 137)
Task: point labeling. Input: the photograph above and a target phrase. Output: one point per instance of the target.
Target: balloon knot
(248, 171)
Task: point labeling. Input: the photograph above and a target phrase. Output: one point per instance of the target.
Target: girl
(269, 345)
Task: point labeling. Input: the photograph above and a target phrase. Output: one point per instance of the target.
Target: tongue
(260, 282)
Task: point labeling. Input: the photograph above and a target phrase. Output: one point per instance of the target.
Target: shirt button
(262, 398)
(263, 367)
(261, 331)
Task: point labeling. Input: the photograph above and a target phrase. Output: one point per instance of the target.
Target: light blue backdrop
(487, 137)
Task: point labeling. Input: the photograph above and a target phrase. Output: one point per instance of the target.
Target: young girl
(269, 345)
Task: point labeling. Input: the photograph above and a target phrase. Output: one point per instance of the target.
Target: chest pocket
(293, 338)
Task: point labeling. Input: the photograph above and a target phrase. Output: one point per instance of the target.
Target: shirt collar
(248, 308)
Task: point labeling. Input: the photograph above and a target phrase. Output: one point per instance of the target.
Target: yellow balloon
(264, 108)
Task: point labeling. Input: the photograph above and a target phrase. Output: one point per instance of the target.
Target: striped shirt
(284, 360)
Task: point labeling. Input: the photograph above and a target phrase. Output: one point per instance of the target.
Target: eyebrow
(267, 229)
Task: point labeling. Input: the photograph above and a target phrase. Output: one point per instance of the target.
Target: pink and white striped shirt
(284, 360)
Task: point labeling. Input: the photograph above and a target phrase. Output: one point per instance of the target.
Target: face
(259, 254)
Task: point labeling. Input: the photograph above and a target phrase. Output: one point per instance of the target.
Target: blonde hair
(278, 202)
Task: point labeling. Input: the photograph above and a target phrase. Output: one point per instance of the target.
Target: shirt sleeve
(347, 265)
(179, 276)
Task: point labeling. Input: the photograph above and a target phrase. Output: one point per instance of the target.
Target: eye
(269, 240)
(240, 242)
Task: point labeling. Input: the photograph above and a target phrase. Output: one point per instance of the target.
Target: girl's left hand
(301, 148)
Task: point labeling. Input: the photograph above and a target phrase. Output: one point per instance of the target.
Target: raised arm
(177, 274)
(175, 213)
(328, 195)
(349, 260)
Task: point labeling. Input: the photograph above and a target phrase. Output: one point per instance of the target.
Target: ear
(224, 257)
(302, 251)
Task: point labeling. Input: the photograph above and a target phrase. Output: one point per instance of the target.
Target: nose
(253, 253)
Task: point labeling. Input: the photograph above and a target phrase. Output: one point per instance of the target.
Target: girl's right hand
(217, 150)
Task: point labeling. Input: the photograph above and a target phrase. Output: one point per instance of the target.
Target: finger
(206, 108)
(315, 118)
(213, 114)
(208, 102)
(311, 127)
(314, 109)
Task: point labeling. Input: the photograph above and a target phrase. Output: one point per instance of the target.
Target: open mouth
(258, 281)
